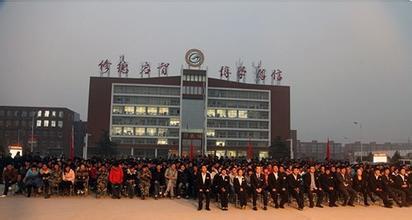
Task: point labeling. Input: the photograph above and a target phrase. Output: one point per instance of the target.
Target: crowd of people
(263, 183)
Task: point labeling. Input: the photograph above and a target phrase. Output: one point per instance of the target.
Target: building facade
(315, 150)
(190, 114)
(41, 130)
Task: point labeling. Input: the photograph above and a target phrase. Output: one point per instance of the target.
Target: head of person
(203, 169)
(359, 172)
(275, 169)
(258, 169)
(312, 169)
(173, 166)
(240, 172)
(402, 171)
(223, 172)
(377, 172)
(295, 170)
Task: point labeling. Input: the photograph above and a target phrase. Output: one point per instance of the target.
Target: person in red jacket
(116, 179)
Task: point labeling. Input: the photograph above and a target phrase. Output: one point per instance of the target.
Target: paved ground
(19, 207)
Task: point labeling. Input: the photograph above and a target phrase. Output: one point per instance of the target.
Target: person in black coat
(376, 186)
(344, 186)
(283, 187)
(159, 182)
(274, 187)
(258, 186)
(328, 183)
(360, 185)
(402, 184)
(240, 185)
(223, 187)
(295, 187)
(204, 184)
(312, 186)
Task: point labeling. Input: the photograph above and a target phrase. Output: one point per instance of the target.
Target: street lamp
(360, 137)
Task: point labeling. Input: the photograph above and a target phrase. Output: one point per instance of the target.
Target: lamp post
(32, 132)
(360, 138)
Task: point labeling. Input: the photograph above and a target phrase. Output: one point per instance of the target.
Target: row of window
(133, 131)
(194, 78)
(122, 120)
(238, 94)
(40, 113)
(237, 134)
(233, 143)
(49, 123)
(237, 104)
(145, 110)
(146, 90)
(133, 141)
(237, 124)
(193, 90)
(232, 113)
(117, 99)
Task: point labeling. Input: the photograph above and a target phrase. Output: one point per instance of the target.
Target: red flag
(72, 144)
(249, 150)
(328, 150)
(191, 154)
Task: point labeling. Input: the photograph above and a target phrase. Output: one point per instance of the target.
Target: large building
(51, 128)
(187, 114)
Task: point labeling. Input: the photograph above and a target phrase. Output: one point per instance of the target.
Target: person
(32, 180)
(274, 186)
(45, 175)
(68, 179)
(223, 185)
(131, 179)
(9, 176)
(240, 186)
(328, 184)
(101, 182)
(145, 177)
(116, 179)
(82, 180)
(203, 184)
(56, 178)
(360, 185)
(258, 186)
(182, 182)
(158, 179)
(389, 187)
(376, 186)
(344, 187)
(171, 177)
(295, 187)
(312, 186)
(402, 184)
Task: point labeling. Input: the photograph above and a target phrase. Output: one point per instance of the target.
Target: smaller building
(41, 130)
(315, 150)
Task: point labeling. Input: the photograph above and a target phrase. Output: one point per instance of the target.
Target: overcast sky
(345, 61)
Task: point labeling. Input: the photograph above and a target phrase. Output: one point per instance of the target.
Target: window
(128, 131)
(220, 143)
(46, 123)
(210, 133)
(152, 111)
(39, 113)
(139, 131)
(2, 112)
(242, 114)
(53, 113)
(46, 113)
(174, 122)
(117, 131)
(140, 110)
(129, 110)
(151, 131)
(211, 113)
(60, 124)
(117, 109)
(38, 123)
(221, 113)
(232, 113)
(23, 114)
(163, 111)
(161, 141)
(162, 132)
(53, 124)
(61, 114)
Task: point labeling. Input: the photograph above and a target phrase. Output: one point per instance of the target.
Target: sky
(344, 61)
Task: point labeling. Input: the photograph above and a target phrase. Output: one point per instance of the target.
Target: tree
(107, 148)
(279, 149)
(396, 157)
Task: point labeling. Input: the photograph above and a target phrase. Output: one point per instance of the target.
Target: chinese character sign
(260, 72)
(145, 69)
(241, 71)
(225, 72)
(277, 76)
(104, 67)
(122, 67)
(162, 69)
